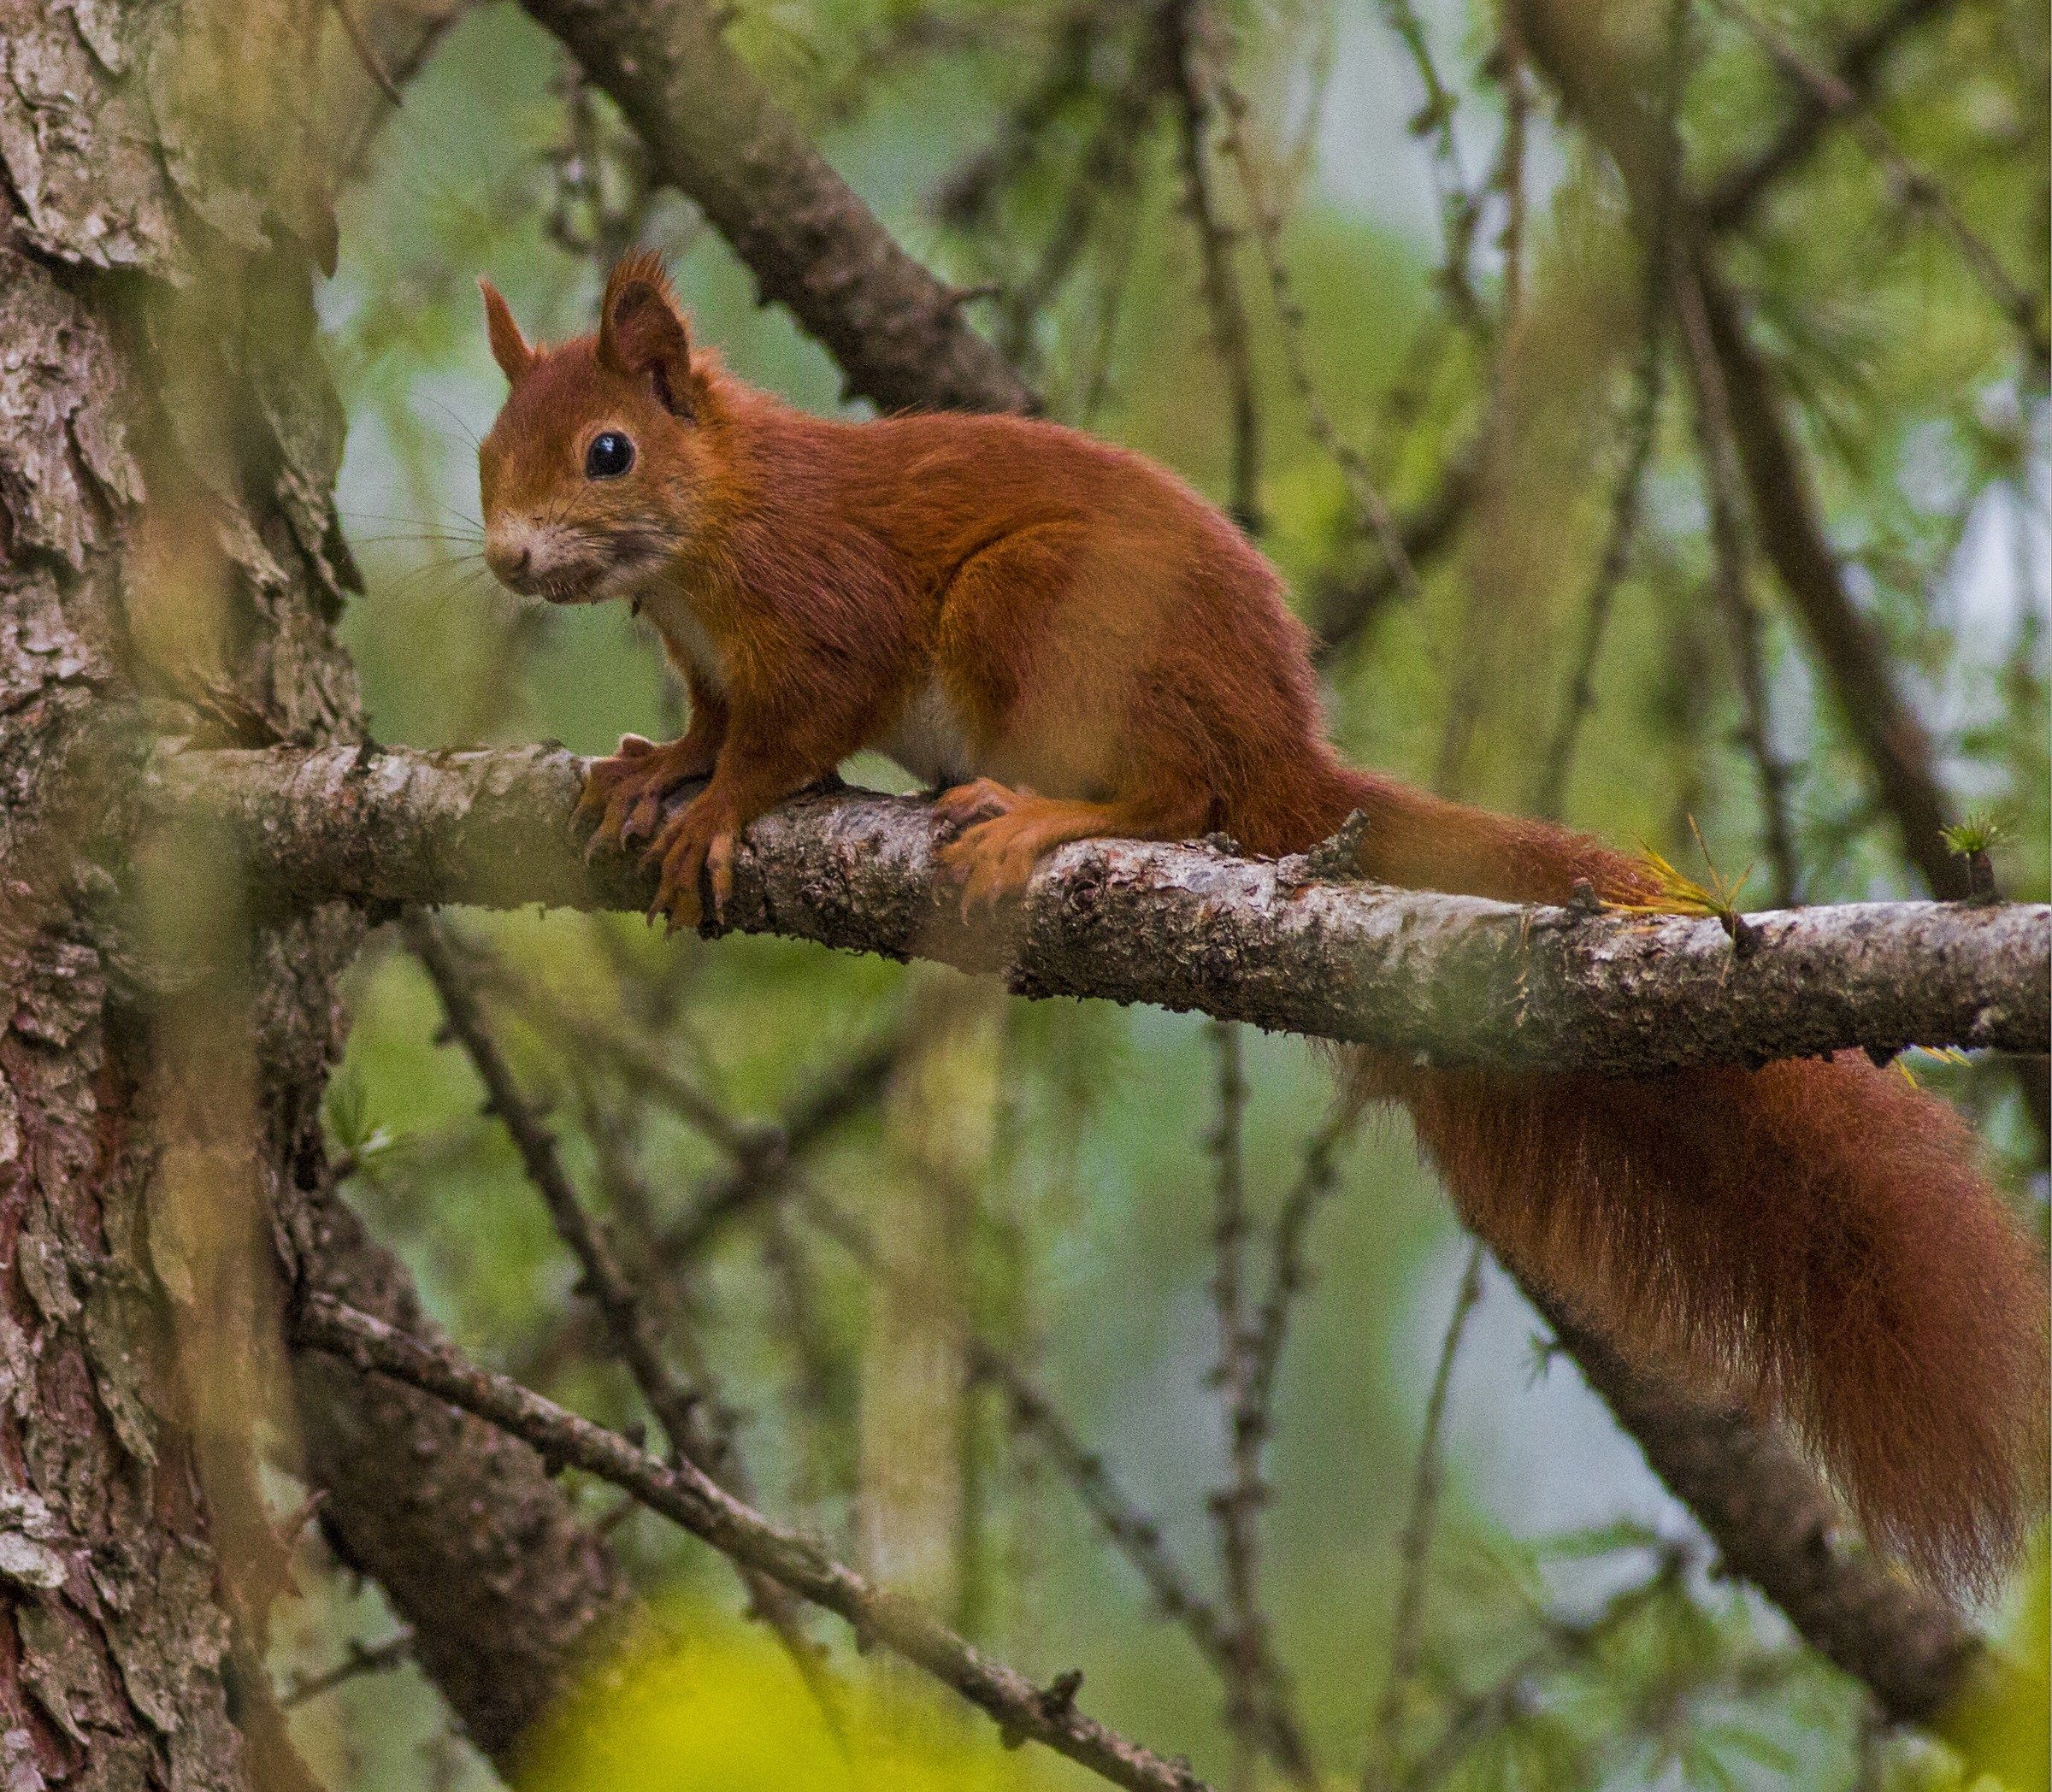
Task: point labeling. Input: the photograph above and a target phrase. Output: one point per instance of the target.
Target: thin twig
(845, 1089)
(1129, 1529)
(1510, 177)
(1642, 433)
(692, 1499)
(1184, 24)
(1267, 223)
(628, 1324)
(1721, 495)
(1549, 791)
(359, 1660)
(1236, 1506)
(1460, 209)
(1317, 1175)
(1406, 1638)
(668, 1300)
(1341, 613)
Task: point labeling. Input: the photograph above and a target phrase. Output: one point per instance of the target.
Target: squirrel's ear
(509, 347)
(643, 335)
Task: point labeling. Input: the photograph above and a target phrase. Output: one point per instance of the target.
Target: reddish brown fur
(1105, 654)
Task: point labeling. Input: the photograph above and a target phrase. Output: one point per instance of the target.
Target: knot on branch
(1338, 860)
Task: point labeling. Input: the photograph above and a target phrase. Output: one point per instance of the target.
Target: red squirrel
(1070, 643)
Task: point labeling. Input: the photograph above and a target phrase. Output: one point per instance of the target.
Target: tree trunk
(170, 563)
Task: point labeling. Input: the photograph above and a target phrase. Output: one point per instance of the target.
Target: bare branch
(1317, 1175)
(1452, 979)
(1406, 1633)
(360, 1660)
(1774, 1525)
(1256, 1689)
(1185, 25)
(691, 1499)
(716, 134)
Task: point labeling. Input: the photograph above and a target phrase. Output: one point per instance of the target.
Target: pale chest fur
(690, 643)
(927, 738)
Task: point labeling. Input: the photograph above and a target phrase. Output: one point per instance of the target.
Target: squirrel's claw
(691, 841)
(993, 860)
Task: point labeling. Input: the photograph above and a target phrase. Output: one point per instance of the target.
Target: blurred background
(977, 1305)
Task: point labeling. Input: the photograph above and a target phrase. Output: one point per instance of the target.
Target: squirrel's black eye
(610, 455)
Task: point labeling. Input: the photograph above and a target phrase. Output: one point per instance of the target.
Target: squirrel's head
(597, 472)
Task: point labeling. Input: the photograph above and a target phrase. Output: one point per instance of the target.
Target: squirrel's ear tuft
(643, 335)
(509, 347)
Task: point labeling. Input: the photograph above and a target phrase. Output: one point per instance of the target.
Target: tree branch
(1774, 1525)
(1447, 979)
(507, 1592)
(718, 134)
(691, 1499)
(1732, 199)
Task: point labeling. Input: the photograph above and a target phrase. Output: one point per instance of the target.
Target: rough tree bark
(169, 558)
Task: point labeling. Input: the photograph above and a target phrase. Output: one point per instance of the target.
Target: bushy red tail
(1813, 1238)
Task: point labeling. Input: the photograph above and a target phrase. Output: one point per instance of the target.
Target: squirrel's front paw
(628, 790)
(699, 837)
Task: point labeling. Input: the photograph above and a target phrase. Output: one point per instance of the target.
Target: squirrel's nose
(511, 561)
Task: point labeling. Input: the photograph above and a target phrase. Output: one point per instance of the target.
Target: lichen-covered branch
(689, 1498)
(1442, 978)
